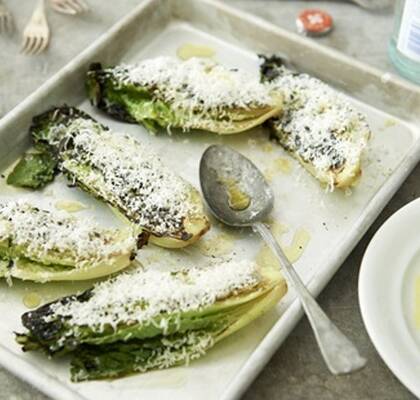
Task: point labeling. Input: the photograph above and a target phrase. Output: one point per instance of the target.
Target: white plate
(387, 295)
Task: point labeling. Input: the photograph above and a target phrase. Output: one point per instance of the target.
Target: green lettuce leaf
(133, 103)
(34, 170)
(162, 340)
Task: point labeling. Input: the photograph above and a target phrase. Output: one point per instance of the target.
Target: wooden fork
(72, 7)
(6, 19)
(36, 35)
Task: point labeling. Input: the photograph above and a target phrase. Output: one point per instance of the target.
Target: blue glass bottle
(404, 46)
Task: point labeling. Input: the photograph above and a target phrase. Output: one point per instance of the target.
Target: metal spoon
(221, 165)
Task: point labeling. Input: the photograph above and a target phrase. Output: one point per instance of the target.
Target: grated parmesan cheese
(127, 174)
(318, 123)
(195, 84)
(145, 294)
(40, 234)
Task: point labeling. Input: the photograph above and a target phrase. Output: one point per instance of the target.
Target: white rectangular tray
(335, 221)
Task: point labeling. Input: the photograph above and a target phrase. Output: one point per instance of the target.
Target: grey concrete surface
(296, 372)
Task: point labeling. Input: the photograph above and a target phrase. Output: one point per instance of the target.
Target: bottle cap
(314, 22)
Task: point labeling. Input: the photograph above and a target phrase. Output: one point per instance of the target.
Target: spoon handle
(339, 353)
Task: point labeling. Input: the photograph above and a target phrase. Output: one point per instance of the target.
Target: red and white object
(314, 22)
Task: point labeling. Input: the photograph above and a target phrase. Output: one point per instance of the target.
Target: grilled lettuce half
(122, 172)
(318, 126)
(151, 318)
(41, 245)
(196, 94)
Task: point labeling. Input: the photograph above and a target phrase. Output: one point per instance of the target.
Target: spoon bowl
(220, 168)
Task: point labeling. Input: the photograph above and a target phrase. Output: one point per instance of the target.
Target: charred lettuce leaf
(39, 166)
(318, 126)
(126, 103)
(151, 318)
(124, 173)
(193, 94)
(41, 245)
(272, 67)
